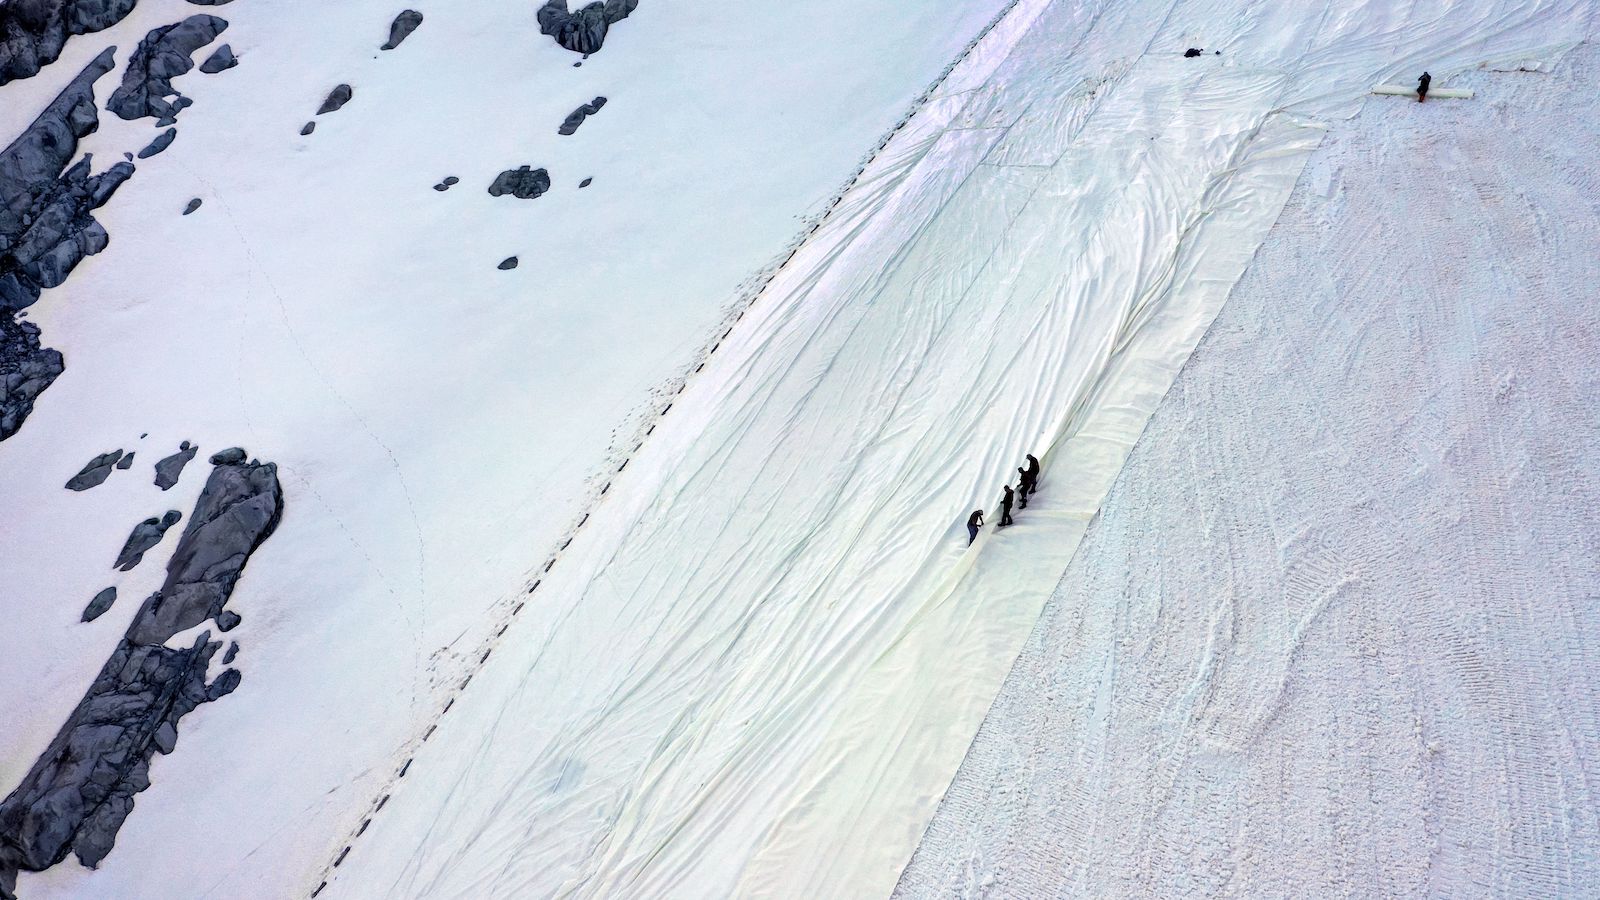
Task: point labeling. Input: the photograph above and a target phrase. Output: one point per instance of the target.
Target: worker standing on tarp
(1422, 87)
(974, 522)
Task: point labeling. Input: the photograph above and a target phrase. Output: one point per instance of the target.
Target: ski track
(1332, 632)
(758, 666)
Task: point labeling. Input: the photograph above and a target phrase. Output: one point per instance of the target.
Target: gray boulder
(80, 790)
(507, 264)
(163, 55)
(32, 32)
(95, 472)
(162, 142)
(145, 535)
(98, 606)
(523, 183)
(220, 61)
(192, 206)
(170, 468)
(401, 28)
(583, 31)
(576, 117)
(336, 100)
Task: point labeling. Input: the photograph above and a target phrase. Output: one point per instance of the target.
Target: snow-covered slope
(1333, 633)
(436, 420)
(747, 657)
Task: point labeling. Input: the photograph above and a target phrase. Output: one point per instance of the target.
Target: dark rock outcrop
(508, 263)
(445, 185)
(403, 25)
(98, 606)
(126, 462)
(336, 100)
(228, 620)
(220, 61)
(46, 226)
(163, 55)
(233, 651)
(26, 370)
(145, 535)
(308, 128)
(585, 183)
(32, 32)
(576, 117)
(97, 471)
(170, 468)
(583, 31)
(79, 792)
(192, 206)
(162, 142)
(523, 183)
(60, 232)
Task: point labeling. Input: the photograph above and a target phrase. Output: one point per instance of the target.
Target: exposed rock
(523, 183)
(229, 457)
(233, 651)
(145, 535)
(585, 183)
(576, 117)
(79, 792)
(583, 31)
(337, 98)
(169, 469)
(163, 55)
(127, 461)
(59, 233)
(46, 228)
(220, 61)
(162, 142)
(26, 370)
(97, 471)
(451, 180)
(509, 262)
(32, 32)
(228, 620)
(193, 205)
(98, 606)
(45, 221)
(404, 24)
(309, 127)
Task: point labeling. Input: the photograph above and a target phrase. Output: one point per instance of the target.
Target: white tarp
(757, 668)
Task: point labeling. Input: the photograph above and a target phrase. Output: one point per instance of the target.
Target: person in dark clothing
(974, 521)
(1422, 87)
(1024, 488)
(1033, 474)
(1005, 508)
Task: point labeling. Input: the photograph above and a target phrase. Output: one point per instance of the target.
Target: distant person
(1422, 87)
(1005, 508)
(1024, 487)
(974, 522)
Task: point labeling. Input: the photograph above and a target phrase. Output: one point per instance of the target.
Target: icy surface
(756, 669)
(1333, 632)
